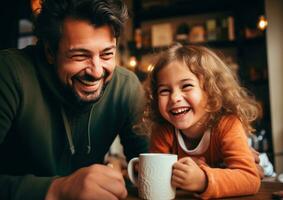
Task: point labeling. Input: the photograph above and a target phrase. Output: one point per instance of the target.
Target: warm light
(150, 67)
(133, 62)
(262, 23)
(35, 6)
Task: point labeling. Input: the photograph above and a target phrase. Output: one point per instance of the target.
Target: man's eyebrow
(81, 50)
(78, 50)
(109, 48)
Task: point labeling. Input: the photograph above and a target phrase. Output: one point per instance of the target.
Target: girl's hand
(187, 175)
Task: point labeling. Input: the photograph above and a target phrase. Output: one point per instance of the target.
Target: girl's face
(181, 99)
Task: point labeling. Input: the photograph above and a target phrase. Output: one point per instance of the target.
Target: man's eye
(79, 57)
(107, 55)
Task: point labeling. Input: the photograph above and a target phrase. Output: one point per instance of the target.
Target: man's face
(85, 59)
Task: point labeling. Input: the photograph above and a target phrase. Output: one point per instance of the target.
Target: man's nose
(96, 67)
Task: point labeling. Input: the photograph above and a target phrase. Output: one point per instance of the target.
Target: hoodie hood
(54, 89)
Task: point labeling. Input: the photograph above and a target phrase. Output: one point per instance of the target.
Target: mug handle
(133, 178)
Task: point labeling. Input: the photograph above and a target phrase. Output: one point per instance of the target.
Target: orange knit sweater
(228, 145)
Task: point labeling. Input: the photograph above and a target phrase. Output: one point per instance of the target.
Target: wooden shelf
(259, 82)
(211, 44)
(255, 40)
(186, 7)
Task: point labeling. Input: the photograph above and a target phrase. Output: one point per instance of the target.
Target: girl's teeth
(180, 110)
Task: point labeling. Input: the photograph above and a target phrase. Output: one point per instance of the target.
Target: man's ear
(49, 54)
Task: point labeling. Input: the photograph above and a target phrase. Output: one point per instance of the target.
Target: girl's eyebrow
(186, 79)
(181, 81)
(161, 85)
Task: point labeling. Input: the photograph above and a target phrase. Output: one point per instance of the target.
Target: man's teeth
(180, 111)
(86, 82)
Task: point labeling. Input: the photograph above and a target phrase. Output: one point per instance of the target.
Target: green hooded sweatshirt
(34, 144)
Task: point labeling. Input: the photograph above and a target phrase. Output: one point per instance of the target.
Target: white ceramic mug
(154, 176)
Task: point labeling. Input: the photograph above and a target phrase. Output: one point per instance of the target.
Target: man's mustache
(90, 77)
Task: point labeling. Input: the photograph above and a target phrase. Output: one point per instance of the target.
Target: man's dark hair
(49, 21)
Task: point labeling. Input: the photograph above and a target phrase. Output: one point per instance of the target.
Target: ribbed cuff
(32, 187)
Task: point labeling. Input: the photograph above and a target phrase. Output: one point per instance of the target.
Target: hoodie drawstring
(69, 132)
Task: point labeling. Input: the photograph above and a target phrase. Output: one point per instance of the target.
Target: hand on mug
(93, 182)
(187, 175)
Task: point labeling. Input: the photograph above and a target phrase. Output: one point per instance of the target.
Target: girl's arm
(240, 177)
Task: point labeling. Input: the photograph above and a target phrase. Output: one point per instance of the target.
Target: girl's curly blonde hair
(225, 95)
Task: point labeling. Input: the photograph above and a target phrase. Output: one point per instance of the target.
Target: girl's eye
(163, 92)
(187, 86)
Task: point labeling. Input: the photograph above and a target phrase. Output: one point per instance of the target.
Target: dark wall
(10, 14)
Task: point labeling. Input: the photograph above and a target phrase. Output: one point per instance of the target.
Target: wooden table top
(265, 193)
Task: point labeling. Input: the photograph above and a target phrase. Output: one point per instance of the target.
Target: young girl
(203, 115)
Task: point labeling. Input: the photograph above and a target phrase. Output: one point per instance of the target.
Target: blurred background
(248, 35)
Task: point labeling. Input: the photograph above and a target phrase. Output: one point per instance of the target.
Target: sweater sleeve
(11, 186)
(23, 187)
(9, 96)
(240, 176)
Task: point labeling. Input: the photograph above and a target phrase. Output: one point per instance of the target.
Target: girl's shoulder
(162, 138)
(228, 123)
(164, 129)
(229, 119)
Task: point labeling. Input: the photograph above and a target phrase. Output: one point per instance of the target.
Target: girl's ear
(49, 54)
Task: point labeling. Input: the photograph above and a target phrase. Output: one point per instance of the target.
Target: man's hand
(188, 175)
(89, 183)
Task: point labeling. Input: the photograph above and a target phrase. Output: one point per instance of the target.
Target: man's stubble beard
(75, 97)
(80, 101)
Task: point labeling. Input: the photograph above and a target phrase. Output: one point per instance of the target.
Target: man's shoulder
(11, 52)
(124, 84)
(122, 72)
(15, 51)
(125, 79)
(15, 57)
(16, 65)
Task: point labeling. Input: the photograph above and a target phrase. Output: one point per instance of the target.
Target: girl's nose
(176, 96)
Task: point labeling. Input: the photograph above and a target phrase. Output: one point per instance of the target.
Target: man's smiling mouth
(88, 82)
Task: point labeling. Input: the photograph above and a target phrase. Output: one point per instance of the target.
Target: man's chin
(88, 98)
(84, 98)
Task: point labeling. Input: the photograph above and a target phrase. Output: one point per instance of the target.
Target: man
(62, 103)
